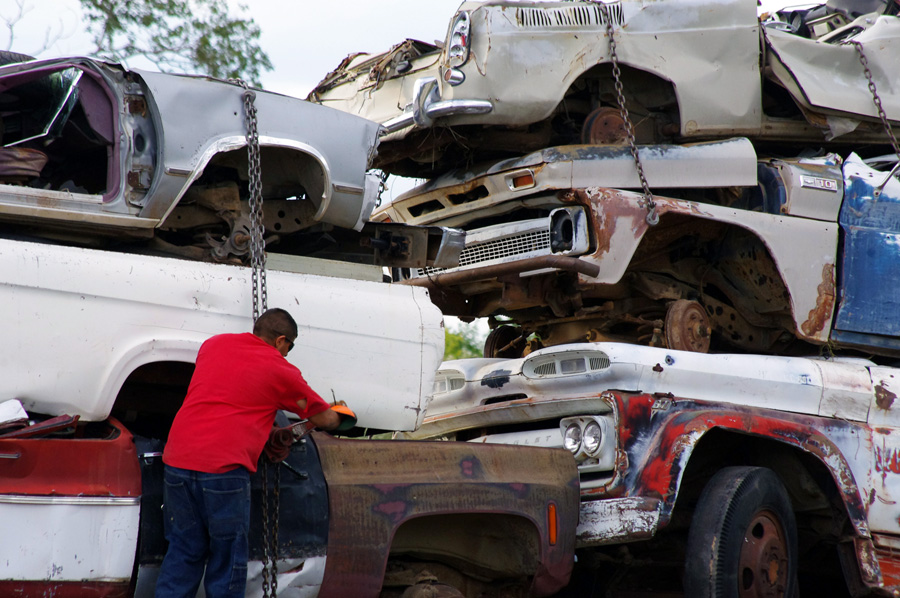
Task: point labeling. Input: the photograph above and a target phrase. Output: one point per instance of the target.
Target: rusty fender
(659, 434)
(374, 486)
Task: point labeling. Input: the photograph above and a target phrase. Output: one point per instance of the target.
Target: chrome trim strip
(91, 501)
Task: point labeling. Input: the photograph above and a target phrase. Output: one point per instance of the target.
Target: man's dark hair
(274, 323)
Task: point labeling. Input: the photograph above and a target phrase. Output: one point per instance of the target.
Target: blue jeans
(207, 516)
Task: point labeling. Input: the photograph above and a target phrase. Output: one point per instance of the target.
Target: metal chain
(652, 216)
(267, 555)
(875, 98)
(257, 228)
(260, 304)
(276, 500)
(270, 530)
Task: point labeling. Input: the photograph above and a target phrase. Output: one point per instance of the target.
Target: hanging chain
(257, 228)
(270, 531)
(652, 216)
(260, 304)
(276, 499)
(267, 555)
(875, 98)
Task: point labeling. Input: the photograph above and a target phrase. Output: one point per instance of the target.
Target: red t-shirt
(239, 384)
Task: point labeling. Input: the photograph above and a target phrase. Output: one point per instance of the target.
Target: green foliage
(462, 341)
(179, 35)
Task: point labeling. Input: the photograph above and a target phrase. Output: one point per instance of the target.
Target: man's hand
(338, 417)
(278, 447)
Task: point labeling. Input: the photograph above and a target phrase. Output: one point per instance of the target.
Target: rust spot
(883, 397)
(608, 206)
(821, 313)
(657, 368)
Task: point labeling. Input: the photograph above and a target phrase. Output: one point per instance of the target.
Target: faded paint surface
(143, 309)
(65, 534)
(402, 486)
(871, 224)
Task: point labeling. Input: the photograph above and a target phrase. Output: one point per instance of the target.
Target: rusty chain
(652, 216)
(875, 97)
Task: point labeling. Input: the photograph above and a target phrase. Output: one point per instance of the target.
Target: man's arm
(326, 420)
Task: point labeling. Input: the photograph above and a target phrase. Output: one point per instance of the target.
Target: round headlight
(572, 438)
(592, 437)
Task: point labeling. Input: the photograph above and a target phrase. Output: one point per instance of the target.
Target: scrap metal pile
(686, 175)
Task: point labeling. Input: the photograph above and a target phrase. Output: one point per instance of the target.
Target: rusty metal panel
(616, 520)
(375, 486)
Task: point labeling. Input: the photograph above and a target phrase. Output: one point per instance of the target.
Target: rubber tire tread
(726, 506)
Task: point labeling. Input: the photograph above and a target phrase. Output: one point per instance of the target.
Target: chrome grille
(567, 17)
(499, 249)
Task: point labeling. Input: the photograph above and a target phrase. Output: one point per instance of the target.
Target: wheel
(500, 342)
(604, 126)
(687, 327)
(742, 541)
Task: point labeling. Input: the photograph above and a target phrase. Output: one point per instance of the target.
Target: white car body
(692, 70)
(659, 411)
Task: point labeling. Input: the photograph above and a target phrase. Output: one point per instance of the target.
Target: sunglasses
(289, 342)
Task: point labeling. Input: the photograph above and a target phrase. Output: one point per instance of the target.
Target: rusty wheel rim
(687, 327)
(763, 565)
(604, 126)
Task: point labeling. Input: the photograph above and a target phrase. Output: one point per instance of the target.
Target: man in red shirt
(239, 383)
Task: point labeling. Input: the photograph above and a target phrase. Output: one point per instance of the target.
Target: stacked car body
(719, 193)
(124, 243)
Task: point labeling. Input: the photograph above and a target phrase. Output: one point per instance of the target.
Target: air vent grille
(599, 363)
(546, 369)
(567, 17)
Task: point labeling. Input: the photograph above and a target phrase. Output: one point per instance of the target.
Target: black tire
(743, 538)
(500, 337)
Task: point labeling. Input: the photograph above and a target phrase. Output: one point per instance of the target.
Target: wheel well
(646, 94)
(484, 546)
(822, 518)
(150, 397)
(729, 269)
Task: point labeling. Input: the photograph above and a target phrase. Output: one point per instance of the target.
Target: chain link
(257, 227)
(270, 529)
(652, 216)
(260, 304)
(267, 553)
(875, 98)
(382, 185)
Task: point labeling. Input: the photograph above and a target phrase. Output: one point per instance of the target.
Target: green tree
(179, 35)
(199, 36)
(462, 341)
